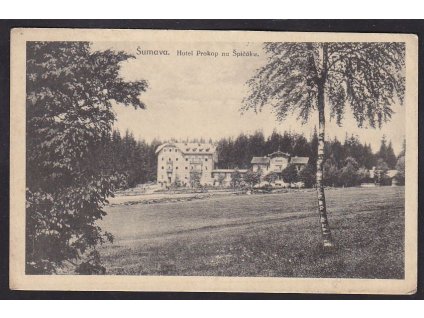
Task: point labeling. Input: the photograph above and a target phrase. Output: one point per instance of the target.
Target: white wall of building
(174, 164)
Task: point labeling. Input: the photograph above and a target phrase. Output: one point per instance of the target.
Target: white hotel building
(177, 160)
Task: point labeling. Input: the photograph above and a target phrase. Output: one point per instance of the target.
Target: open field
(260, 235)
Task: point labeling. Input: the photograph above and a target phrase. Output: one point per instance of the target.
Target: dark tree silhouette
(302, 78)
(400, 167)
(195, 177)
(307, 176)
(236, 178)
(290, 174)
(252, 177)
(387, 154)
(69, 116)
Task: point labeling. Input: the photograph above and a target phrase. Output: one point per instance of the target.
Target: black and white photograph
(227, 161)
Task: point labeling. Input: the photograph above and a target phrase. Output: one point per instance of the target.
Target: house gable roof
(279, 154)
(189, 148)
(260, 160)
(299, 160)
(392, 173)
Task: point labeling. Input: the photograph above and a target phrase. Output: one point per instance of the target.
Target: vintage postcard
(224, 161)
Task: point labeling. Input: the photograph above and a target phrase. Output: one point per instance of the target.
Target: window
(176, 159)
(162, 168)
(186, 168)
(186, 159)
(206, 168)
(176, 150)
(176, 168)
(169, 159)
(162, 158)
(206, 159)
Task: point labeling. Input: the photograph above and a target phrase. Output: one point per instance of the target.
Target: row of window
(165, 149)
(176, 168)
(176, 159)
(194, 158)
(169, 159)
(176, 150)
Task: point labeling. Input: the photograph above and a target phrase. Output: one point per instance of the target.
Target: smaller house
(276, 162)
(376, 176)
(299, 162)
(260, 164)
(391, 174)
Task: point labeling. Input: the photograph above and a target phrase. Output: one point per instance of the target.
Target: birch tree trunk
(322, 208)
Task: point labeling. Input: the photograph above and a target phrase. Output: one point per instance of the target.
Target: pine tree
(390, 156)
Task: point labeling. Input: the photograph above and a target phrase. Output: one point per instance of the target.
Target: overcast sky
(200, 96)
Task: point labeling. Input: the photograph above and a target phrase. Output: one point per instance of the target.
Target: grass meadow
(276, 235)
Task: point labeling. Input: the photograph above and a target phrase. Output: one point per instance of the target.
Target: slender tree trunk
(322, 208)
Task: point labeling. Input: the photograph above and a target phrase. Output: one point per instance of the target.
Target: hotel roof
(189, 148)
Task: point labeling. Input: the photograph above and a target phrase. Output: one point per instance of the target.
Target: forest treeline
(136, 159)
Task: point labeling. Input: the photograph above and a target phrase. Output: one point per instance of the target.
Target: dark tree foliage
(252, 177)
(307, 176)
(313, 154)
(381, 172)
(387, 154)
(70, 90)
(236, 178)
(271, 177)
(382, 165)
(283, 142)
(400, 167)
(256, 144)
(290, 174)
(135, 160)
(403, 151)
(241, 151)
(301, 146)
(330, 173)
(348, 176)
(352, 147)
(335, 151)
(195, 177)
